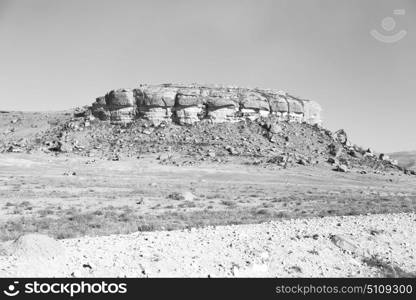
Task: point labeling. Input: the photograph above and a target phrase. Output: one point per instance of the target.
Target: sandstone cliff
(188, 104)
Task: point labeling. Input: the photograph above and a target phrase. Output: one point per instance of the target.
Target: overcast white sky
(56, 54)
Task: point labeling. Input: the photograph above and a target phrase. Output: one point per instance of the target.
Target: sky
(58, 54)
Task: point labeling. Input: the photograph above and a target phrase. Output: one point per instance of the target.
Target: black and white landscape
(203, 139)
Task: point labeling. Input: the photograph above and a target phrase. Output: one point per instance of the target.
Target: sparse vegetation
(229, 203)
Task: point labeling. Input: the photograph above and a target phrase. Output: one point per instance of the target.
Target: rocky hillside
(264, 141)
(359, 246)
(406, 159)
(188, 104)
(185, 125)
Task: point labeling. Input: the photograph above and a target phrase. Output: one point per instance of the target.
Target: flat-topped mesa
(188, 104)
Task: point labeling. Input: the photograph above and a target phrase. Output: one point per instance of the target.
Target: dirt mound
(351, 246)
(34, 254)
(36, 245)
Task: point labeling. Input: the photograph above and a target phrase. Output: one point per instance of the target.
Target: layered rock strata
(188, 104)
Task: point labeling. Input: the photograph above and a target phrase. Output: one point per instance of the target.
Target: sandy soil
(355, 246)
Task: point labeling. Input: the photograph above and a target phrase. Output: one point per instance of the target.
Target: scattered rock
(164, 156)
(81, 112)
(332, 160)
(147, 131)
(302, 162)
(211, 154)
(341, 168)
(334, 150)
(70, 173)
(55, 146)
(15, 149)
(341, 136)
(87, 266)
(231, 150)
(343, 244)
(353, 153)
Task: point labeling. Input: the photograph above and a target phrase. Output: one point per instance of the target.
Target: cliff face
(188, 104)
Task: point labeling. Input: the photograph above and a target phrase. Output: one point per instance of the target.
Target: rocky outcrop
(222, 105)
(188, 104)
(155, 103)
(253, 104)
(99, 109)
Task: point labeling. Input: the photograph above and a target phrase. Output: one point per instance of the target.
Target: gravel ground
(354, 246)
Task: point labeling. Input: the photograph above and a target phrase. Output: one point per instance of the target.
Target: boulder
(99, 102)
(341, 168)
(189, 106)
(121, 105)
(80, 112)
(155, 103)
(120, 98)
(221, 106)
(341, 136)
(344, 244)
(296, 112)
(334, 149)
(99, 109)
(189, 97)
(332, 160)
(101, 114)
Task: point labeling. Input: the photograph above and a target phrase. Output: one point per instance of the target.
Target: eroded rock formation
(187, 104)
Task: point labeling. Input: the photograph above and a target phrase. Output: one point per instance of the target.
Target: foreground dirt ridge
(354, 246)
